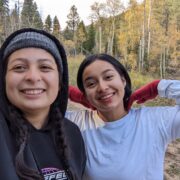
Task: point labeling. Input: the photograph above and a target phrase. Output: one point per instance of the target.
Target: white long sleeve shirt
(133, 147)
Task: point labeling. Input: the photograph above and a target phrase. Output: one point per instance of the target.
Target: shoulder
(71, 129)
(78, 116)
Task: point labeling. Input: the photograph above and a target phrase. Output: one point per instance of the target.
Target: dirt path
(172, 161)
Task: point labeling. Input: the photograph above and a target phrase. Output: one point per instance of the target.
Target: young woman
(36, 141)
(122, 144)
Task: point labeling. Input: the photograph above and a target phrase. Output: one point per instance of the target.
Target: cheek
(90, 94)
(11, 83)
(54, 82)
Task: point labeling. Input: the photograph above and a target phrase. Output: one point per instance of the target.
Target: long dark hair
(19, 126)
(115, 63)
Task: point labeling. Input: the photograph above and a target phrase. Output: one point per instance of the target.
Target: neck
(109, 116)
(38, 120)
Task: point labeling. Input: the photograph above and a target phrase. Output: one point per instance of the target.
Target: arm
(170, 89)
(146, 92)
(141, 95)
(77, 96)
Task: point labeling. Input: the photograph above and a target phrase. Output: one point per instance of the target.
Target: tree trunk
(149, 29)
(100, 39)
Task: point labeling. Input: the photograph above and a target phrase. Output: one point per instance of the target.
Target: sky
(61, 8)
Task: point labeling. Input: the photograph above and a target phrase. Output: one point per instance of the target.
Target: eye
(109, 77)
(46, 68)
(19, 68)
(90, 84)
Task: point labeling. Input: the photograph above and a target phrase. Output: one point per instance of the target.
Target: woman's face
(104, 87)
(32, 80)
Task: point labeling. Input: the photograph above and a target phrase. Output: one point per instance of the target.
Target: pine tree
(4, 13)
(73, 19)
(48, 24)
(56, 27)
(30, 16)
(14, 18)
(27, 14)
(37, 21)
(67, 34)
(81, 36)
(4, 7)
(90, 43)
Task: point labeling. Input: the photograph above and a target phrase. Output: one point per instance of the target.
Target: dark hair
(20, 127)
(115, 63)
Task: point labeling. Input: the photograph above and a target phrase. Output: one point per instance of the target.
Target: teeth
(33, 92)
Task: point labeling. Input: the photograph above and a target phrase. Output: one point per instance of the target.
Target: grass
(73, 65)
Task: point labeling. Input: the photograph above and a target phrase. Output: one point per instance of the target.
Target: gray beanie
(33, 39)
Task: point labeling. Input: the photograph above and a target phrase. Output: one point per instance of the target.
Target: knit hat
(29, 37)
(33, 39)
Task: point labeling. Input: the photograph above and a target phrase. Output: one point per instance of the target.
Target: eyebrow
(39, 60)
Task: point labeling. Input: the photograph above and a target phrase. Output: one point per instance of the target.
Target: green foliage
(73, 19)
(90, 43)
(37, 18)
(48, 24)
(30, 16)
(68, 33)
(56, 27)
(144, 36)
(4, 12)
(4, 8)
(81, 36)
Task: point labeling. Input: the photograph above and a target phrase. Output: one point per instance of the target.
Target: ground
(172, 161)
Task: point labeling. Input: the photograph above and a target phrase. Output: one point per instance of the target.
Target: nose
(32, 75)
(102, 86)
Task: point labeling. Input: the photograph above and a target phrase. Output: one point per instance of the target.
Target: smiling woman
(122, 142)
(32, 83)
(36, 140)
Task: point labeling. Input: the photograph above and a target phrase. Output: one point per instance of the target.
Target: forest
(145, 36)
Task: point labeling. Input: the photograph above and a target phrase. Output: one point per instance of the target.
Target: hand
(149, 91)
(77, 96)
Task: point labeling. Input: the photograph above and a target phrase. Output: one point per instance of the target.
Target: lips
(106, 96)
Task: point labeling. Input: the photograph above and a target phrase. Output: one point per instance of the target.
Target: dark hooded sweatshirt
(40, 152)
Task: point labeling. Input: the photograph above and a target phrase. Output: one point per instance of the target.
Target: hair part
(117, 66)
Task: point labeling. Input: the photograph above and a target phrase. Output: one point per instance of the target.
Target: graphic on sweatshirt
(54, 174)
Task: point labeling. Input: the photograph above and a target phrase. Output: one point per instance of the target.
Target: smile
(33, 91)
(107, 96)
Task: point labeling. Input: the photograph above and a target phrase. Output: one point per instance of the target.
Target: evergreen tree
(48, 24)
(4, 8)
(90, 43)
(14, 18)
(37, 21)
(4, 13)
(81, 35)
(56, 27)
(67, 34)
(73, 19)
(30, 17)
(27, 14)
